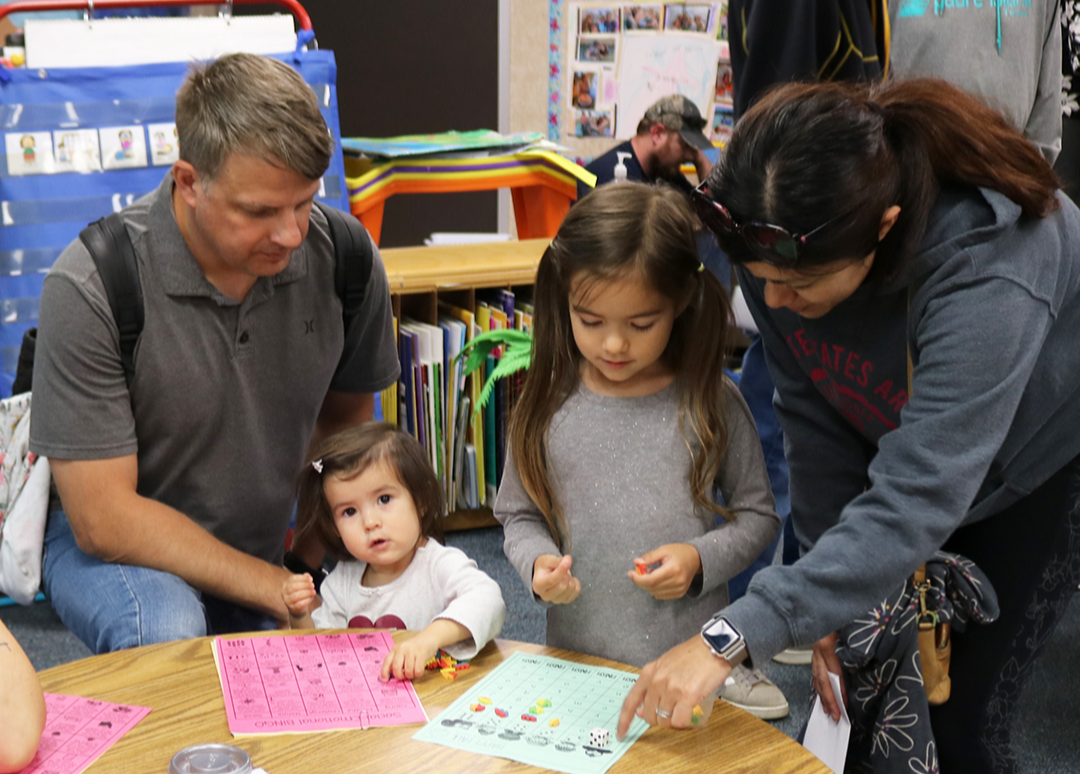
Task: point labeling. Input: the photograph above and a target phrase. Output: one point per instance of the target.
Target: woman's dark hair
(347, 455)
(843, 153)
(619, 230)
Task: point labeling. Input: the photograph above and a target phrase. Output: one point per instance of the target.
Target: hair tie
(317, 464)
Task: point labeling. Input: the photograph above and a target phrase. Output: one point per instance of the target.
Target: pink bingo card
(78, 731)
(319, 682)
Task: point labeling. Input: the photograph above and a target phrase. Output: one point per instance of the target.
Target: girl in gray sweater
(625, 431)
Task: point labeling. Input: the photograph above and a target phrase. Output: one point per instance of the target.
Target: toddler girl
(372, 498)
(625, 426)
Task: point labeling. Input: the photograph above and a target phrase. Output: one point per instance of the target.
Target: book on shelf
(434, 401)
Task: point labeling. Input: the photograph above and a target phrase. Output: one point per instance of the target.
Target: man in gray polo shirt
(177, 492)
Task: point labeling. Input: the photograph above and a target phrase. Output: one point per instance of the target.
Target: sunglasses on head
(774, 245)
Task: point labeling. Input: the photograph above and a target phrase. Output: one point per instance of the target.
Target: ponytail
(939, 133)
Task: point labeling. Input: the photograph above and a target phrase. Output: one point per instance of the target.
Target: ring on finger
(663, 714)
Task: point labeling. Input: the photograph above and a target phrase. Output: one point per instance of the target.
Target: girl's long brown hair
(843, 153)
(617, 230)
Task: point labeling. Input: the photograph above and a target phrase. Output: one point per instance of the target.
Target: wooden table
(179, 681)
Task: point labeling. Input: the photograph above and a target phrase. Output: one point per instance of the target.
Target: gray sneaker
(797, 656)
(753, 692)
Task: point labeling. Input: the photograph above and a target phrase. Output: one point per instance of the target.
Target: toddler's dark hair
(347, 455)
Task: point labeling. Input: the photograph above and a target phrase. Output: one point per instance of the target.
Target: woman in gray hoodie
(870, 226)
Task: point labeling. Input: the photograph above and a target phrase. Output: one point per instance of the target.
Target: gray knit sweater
(620, 472)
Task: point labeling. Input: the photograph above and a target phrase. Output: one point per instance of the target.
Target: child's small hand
(298, 593)
(679, 563)
(408, 659)
(552, 581)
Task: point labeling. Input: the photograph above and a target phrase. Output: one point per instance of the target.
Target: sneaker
(797, 656)
(753, 692)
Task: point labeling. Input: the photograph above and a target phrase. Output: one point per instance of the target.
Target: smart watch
(723, 639)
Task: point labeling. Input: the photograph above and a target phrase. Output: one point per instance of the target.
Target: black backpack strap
(110, 246)
(24, 370)
(352, 259)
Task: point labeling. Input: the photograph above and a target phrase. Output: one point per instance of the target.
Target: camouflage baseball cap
(679, 114)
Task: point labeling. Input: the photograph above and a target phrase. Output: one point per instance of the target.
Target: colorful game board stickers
(580, 700)
(78, 731)
(321, 682)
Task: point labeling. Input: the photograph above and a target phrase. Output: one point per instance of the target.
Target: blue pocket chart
(81, 143)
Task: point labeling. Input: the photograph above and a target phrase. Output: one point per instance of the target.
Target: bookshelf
(421, 277)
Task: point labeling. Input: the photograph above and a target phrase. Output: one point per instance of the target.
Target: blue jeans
(757, 389)
(116, 606)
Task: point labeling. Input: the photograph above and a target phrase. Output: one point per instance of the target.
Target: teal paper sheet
(576, 697)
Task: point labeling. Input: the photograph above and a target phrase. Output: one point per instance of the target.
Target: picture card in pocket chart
(321, 682)
(78, 731)
(542, 711)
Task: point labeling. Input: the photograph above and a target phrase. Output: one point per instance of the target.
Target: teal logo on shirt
(913, 8)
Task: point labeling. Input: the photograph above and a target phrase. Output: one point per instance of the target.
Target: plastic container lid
(211, 759)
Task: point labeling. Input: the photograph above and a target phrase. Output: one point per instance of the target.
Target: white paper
(826, 738)
(123, 147)
(463, 238)
(114, 42)
(29, 153)
(739, 307)
(76, 150)
(164, 145)
(655, 66)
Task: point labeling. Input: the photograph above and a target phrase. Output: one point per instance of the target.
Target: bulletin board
(608, 61)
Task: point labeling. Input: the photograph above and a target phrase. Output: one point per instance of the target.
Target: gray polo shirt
(225, 393)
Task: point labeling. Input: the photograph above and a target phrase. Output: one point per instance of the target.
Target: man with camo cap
(669, 135)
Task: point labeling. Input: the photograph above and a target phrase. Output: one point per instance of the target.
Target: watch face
(722, 638)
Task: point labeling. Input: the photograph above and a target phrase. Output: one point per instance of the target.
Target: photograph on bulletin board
(722, 124)
(600, 50)
(594, 123)
(642, 17)
(611, 62)
(720, 11)
(680, 17)
(586, 89)
(598, 20)
(725, 83)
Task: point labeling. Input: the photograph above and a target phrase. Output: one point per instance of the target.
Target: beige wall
(529, 76)
(528, 65)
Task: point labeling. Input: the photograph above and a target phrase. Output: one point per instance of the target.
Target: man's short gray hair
(253, 105)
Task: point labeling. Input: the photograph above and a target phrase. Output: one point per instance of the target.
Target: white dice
(599, 737)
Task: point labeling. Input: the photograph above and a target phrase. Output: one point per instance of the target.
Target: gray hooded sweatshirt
(878, 481)
(1008, 52)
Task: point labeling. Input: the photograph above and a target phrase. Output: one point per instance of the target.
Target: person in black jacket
(777, 41)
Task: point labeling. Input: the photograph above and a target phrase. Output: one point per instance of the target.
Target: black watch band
(294, 563)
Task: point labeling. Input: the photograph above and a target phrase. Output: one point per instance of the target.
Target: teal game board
(541, 711)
